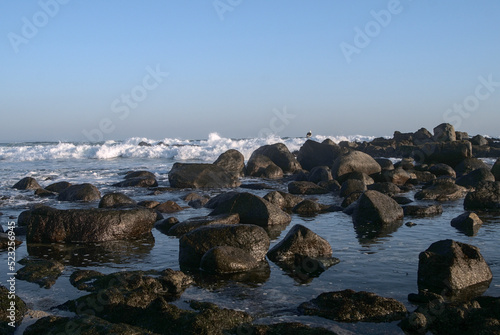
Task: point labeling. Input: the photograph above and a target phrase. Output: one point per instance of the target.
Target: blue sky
(80, 70)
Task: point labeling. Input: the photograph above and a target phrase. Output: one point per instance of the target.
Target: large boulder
(262, 166)
(58, 187)
(352, 306)
(226, 259)
(445, 132)
(253, 209)
(451, 153)
(442, 169)
(449, 268)
(397, 176)
(378, 209)
(496, 170)
(46, 224)
(319, 174)
(115, 200)
(186, 175)
(251, 238)
(184, 227)
(27, 183)
(313, 154)
(280, 155)
(441, 191)
(469, 165)
(474, 178)
(233, 162)
(354, 161)
(485, 197)
(80, 192)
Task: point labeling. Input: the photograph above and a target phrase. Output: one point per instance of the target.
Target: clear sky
(79, 70)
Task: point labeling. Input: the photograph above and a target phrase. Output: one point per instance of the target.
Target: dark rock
(320, 173)
(148, 204)
(300, 241)
(184, 175)
(85, 279)
(377, 208)
(474, 178)
(115, 200)
(198, 203)
(313, 154)
(307, 207)
(386, 188)
(445, 132)
(423, 211)
(41, 272)
(496, 170)
(442, 170)
(58, 187)
(5, 315)
(451, 153)
(27, 183)
(485, 197)
(402, 200)
(462, 135)
(479, 140)
(468, 223)
(406, 163)
(422, 136)
(355, 161)
(137, 182)
(140, 174)
(280, 155)
(402, 137)
(46, 225)
(331, 185)
(351, 306)
(283, 199)
(366, 179)
(80, 192)
(165, 224)
(253, 209)
(226, 259)
(469, 165)
(352, 186)
(294, 328)
(263, 167)
(44, 193)
(305, 187)
(144, 144)
(257, 186)
(351, 199)
(184, 227)
(410, 224)
(233, 162)
(223, 197)
(449, 268)
(329, 142)
(447, 191)
(251, 238)
(424, 176)
(192, 196)
(169, 206)
(385, 164)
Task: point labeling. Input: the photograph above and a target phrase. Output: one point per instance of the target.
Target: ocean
(386, 264)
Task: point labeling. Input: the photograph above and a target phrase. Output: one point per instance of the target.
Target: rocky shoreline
(234, 239)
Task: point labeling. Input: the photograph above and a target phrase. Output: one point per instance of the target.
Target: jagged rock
(305, 187)
(184, 227)
(40, 271)
(115, 200)
(468, 223)
(313, 154)
(445, 132)
(450, 268)
(226, 259)
(422, 211)
(474, 178)
(377, 208)
(354, 161)
(351, 306)
(169, 206)
(280, 155)
(27, 183)
(253, 209)
(233, 162)
(46, 225)
(81, 192)
(485, 197)
(251, 238)
(185, 175)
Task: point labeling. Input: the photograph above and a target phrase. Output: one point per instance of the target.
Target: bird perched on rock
(309, 134)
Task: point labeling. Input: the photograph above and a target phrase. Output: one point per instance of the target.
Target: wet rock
(263, 167)
(251, 238)
(354, 161)
(300, 241)
(451, 268)
(397, 176)
(58, 187)
(496, 170)
(165, 224)
(233, 162)
(280, 155)
(283, 199)
(320, 173)
(137, 182)
(83, 279)
(402, 200)
(4, 241)
(330, 185)
(313, 154)
(485, 197)
(423, 211)
(386, 188)
(377, 208)
(46, 225)
(219, 199)
(44, 193)
(469, 165)
(442, 170)
(27, 183)
(148, 204)
(351, 199)
(111, 200)
(474, 178)
(80, 192)
(253, 209)
(445, 132)
(307, 207)
(352, 186)
(184, 175)
(169, 206)
(41, 272)
(15, 315)
(226, 259)
(294, 328)
(468, 223)
(198, 203)
(406, 163)
(140, 174)
(184, 227)
(305, 187)
(442, 191)
(351, 306)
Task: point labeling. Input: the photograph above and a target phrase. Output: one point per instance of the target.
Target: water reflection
(368, 233)
(303, 269)
(90, 254)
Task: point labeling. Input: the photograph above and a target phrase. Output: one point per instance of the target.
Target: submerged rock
(422, 211)
(137, 182)
(41, 272)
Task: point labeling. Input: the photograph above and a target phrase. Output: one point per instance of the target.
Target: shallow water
(385, 264)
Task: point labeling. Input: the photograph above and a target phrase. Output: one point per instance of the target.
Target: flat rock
(447, 191)
(423, 211)
(184, 227)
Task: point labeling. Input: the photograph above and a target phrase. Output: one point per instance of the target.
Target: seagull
(309, 134)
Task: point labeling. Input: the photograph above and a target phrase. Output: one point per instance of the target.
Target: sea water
(386, 264)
